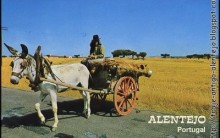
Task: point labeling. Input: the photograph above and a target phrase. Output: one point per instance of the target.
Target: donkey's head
(22, 64)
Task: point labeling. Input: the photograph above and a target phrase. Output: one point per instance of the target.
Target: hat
(96, 37)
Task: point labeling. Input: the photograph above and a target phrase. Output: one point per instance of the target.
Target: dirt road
(19, 120)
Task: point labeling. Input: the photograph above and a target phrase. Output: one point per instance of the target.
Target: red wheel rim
(125, 95)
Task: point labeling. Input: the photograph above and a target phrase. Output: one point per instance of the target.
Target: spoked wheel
(125, 95)
(100, 96)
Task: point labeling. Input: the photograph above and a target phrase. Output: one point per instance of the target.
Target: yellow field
(177, 86)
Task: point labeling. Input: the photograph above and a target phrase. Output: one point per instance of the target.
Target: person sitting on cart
(97, 50)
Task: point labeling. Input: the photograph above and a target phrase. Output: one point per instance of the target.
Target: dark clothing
(93, 45)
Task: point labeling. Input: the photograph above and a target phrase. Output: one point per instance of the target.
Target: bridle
(17, 74)
(23, 65)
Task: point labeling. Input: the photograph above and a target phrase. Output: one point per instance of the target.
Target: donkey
(25, 64)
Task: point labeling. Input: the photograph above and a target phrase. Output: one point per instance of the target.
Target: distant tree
(195, 55)
(198, 56)
(138, 56)
(116, 53)
(165, 55)
(189, 56)
(133, 54)
(48, 55)
(143, 54)
(208, 56)
(123, 53)
(76, 56)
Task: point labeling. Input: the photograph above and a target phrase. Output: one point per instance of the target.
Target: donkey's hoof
(85, 113)
(54, 129)
(87, 116)
(43, 122)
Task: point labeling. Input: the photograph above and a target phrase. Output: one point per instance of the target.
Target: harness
(42, 70)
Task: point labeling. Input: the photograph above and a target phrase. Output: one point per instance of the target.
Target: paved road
(19, 120)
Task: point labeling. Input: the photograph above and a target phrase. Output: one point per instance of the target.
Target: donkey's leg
(53, 96)
(37, 107)
(86, 99)
(84, 102)
(86, 96)
(88, 104)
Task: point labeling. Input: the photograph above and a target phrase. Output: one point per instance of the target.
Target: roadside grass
(177, 86)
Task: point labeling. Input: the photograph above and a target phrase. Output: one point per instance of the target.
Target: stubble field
(177, 86)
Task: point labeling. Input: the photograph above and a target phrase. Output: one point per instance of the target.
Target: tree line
(208, 56)
(127, 52)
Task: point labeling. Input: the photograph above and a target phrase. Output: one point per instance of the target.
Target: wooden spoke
(120, 92)
(97, 97)
(130, 103)
(125, 95)
(121, 103)
(121, 98)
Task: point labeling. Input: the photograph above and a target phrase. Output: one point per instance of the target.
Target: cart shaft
(74, 87)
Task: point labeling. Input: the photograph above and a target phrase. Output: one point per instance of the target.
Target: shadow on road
(98, 107)
(72, 108)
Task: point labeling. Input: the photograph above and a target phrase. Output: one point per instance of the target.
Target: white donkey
(74, 74)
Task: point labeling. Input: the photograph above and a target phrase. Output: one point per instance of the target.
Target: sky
(66, 27)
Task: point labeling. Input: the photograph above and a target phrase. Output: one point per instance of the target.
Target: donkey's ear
(24, 50)
(37, 53)
(12, 50)
(38, 50)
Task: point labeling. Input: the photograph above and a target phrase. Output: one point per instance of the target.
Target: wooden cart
(113, 77)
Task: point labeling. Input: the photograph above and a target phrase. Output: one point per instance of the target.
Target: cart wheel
(125, 95)
(96, 96)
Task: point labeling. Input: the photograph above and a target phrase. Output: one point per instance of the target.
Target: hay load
(119, 68)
